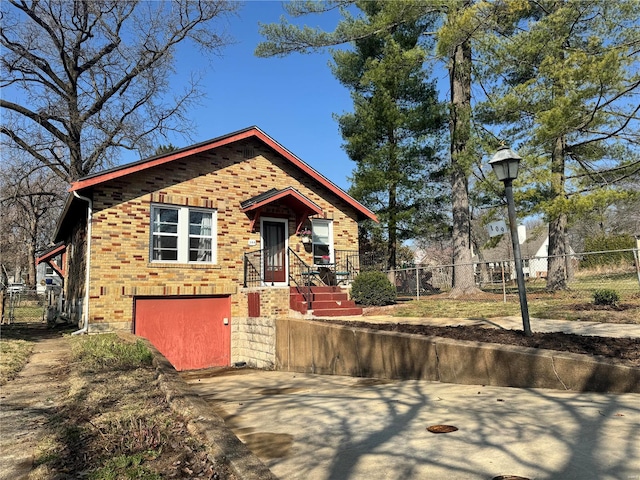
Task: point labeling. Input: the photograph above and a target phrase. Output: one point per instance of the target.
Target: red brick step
(326, 301)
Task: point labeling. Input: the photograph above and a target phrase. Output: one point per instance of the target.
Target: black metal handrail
(301, 275)
(253, 269)
(345, 268)
(347, 265)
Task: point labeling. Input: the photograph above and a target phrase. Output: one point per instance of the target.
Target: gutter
(85, 303)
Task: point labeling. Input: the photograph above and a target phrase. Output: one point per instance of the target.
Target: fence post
(504, 285)
(417, 282)
(636, 254)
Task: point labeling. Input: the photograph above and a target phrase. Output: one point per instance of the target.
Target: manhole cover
(442, 428)
(509, 477)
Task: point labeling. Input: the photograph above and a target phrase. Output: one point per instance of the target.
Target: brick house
(200, 249)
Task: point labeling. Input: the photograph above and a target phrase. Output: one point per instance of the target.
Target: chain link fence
(30, 306)
(582, 273)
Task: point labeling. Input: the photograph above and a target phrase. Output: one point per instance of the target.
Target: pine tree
(459, 21)
(390, 134)
(565, 89)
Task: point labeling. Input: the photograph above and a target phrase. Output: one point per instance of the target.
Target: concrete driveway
(331, 427)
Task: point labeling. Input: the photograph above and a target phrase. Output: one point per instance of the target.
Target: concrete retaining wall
(253, 341)
(318, 347)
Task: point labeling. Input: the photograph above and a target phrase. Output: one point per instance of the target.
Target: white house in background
(534, 249)
(534, 252)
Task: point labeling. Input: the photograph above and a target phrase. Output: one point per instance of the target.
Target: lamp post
(505, 165)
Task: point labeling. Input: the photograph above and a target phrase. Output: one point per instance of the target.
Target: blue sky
(291, 99)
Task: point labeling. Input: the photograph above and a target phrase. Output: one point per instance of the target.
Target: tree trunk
(31, 261)
(393, 205)
(556, 266)
(460, 129)
(393, 233)
(484, 266)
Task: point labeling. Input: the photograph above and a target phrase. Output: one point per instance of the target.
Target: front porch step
(330, 304)
(325, 297)
(326, 301)
(326, 289)
(299, 307)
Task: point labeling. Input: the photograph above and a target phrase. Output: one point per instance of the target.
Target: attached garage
(191, 332)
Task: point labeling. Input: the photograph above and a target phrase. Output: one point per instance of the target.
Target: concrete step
(300, 307)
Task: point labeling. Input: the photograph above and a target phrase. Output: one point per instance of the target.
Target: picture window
(183, 235)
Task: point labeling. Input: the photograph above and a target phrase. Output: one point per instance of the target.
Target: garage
(191, 332)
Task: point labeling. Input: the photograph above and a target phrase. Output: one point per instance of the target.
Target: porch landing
(325, 302)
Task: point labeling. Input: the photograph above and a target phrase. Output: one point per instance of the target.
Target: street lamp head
(505, 164)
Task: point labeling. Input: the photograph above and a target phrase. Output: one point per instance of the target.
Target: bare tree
(93, 76)
(31, 197)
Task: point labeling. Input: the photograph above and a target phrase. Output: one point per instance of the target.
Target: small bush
(373, 289)
(606, 297)
(108, 351)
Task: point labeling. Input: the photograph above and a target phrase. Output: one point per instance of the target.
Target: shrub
(610, 246)
(373, 289)
(606, 297)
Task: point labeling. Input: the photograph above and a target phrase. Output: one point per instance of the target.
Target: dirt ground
(58, 421)
(619, 350)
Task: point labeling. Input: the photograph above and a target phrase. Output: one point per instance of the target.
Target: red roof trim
(155, 161)
(50, 254)
(215, 143)
(285, 193)
(48, 257)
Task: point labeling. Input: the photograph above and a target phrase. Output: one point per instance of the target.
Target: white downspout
(85, 303)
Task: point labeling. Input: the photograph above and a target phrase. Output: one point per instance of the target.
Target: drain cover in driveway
(509, 477)
(442, 428)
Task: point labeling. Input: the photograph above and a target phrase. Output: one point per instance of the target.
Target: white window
(182, 234)
(322, 238)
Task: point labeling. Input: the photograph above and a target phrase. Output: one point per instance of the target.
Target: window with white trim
(183, 234)
(322, 240)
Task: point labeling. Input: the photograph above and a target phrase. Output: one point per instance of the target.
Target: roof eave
(111, 174)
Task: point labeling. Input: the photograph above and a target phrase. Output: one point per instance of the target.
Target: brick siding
(219, 179)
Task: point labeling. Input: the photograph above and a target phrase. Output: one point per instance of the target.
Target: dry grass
(14, 354)
(573, 305)
(114, 422)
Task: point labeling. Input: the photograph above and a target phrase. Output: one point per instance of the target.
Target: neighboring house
(534, 248)
(50, 268)
(534, 251)
(198, 249)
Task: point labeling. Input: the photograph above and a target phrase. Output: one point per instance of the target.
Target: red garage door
(192, 332)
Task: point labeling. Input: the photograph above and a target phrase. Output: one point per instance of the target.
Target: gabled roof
(528, 249)
(289, 195)
(251, 132)
(296, 201)
(531, 245)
